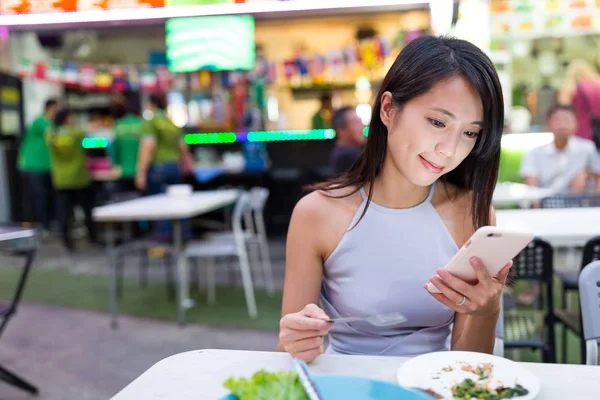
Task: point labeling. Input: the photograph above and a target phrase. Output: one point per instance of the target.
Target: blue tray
(333, 387)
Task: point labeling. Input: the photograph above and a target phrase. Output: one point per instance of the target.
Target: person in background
(34, 164)
(349, 139)
(569, 163)
(322, 118)
(581, 89)
(163, 156)
(70, 176)
(125, 146)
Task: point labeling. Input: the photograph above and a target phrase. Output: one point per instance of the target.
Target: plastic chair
(570, 319)
(499, 343)
(212, 249)
(589, 292)
(571, 200)
(534, 328)
(255, 234)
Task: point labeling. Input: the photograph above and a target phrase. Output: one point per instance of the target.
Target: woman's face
(433, 133)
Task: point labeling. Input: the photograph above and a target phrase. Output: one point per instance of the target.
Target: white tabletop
(200, 374)
(559, 226)
(162, 206)
(509, 193)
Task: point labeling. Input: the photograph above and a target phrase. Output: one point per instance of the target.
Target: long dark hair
(421, 64)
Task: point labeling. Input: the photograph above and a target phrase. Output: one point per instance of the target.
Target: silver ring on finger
(462, 302)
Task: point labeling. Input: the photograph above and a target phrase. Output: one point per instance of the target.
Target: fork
(375, 320)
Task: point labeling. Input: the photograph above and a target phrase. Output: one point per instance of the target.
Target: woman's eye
(436, 123)
(471, 134)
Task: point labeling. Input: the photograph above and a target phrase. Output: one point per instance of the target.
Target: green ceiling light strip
(276, 136)
(232, 137)
(95, 143)
(210, 138)
(366, 131)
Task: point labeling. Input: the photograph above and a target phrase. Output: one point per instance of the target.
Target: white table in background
(510, 193)
(157, 208)
(561, 227)
(200, 374)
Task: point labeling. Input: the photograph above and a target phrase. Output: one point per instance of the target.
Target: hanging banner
(520, 19)
(70, 75)
(103, 79)
(87, 77)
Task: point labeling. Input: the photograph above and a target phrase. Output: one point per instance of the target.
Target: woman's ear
(386, 112)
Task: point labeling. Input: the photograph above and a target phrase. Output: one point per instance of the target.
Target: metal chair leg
(170, 276)
(195, 271)
(247, 280)
(144, 262)
(264, 253)
(211, 283)
(17, 381)
(120, 266)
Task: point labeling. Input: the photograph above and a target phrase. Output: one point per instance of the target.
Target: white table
(562, 227)
(157, 208)
(510, 193)
(200, 374)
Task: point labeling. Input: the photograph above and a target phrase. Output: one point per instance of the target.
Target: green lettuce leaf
(268, 386)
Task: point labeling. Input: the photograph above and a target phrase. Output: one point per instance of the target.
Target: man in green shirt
(161, 150)
(162, 153)
(34, 165)
(70, 176)
(322, 118)
(125, 145)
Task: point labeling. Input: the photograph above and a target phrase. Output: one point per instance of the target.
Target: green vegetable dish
(268, 386)
(469, 389)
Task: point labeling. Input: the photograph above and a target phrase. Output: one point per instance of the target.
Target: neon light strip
(162, 13)
(95, 143)
(210, 138)
(259, 136)
(233, 137)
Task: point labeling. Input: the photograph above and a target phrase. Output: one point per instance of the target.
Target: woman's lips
(436, 169)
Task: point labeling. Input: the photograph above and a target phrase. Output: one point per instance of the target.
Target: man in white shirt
(567, 165)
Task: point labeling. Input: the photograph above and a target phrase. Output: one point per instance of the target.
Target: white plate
(427, 372)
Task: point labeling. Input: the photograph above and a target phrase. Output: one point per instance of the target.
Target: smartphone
(494, 246)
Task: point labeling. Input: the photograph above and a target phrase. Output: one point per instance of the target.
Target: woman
(70, 176)
(581, 89)
(370, 241)
(163, 156)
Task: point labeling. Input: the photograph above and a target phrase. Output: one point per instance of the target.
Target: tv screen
(220, 43)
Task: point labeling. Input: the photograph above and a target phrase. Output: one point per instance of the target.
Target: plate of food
(467, 375)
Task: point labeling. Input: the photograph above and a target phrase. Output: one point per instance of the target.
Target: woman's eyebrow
(449, 114)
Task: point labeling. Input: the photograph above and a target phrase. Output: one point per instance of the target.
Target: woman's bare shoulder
(322, 204)
(325, 216)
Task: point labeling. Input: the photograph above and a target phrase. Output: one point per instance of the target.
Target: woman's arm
(145, 151)
(304, 264)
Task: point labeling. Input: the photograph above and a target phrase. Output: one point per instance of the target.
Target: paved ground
(75, 355)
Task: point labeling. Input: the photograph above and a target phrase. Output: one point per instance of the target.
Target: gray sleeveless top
(380, 266)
